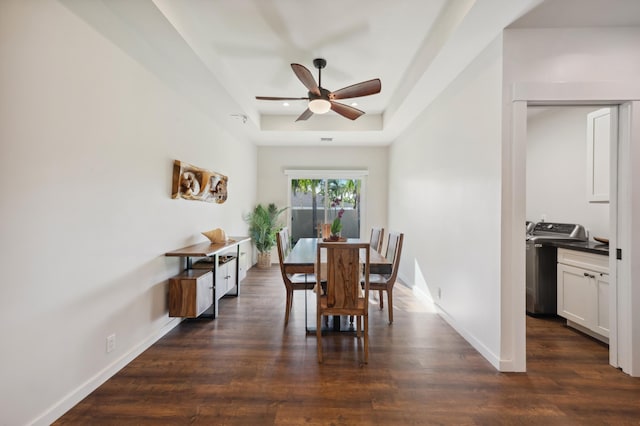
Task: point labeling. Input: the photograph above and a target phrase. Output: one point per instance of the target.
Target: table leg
(306, 325)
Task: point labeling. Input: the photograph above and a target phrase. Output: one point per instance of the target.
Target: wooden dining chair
(342, 295)
(377, 235)
(292, 281)
(385, 282)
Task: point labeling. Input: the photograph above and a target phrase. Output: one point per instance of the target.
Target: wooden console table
(221, 260)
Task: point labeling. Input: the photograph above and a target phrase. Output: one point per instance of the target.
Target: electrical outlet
(111, 343)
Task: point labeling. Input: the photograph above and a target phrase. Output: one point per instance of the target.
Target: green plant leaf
(263, 226)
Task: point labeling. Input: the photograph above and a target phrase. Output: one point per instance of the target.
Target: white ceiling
(222, 53)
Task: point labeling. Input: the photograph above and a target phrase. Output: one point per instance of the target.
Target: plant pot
(264, 259)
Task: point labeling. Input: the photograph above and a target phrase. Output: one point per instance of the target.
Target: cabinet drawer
(583, 259)
(190, 293)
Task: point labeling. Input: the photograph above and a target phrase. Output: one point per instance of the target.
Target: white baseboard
(500, 365)
(82, 391)
(470, 338)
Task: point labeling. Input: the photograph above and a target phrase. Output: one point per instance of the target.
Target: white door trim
(514, 187)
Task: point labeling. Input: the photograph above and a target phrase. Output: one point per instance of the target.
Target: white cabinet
(602, 128)
(575, 297)
(244, 260)
(583, 291)
(225, 275)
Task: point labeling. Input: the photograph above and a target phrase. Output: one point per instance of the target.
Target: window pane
(317, 201)
(307, 207)
(345, 194)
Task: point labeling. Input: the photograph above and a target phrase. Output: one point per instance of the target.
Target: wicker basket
(264, 260)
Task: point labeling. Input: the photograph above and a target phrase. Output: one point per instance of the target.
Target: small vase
(326, 230)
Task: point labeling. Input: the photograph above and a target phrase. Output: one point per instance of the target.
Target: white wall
(570, 55)
(557, 169)
(444, 180)
(273, 161)
(87, 139)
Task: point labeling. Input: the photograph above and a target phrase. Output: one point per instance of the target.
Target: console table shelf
(224, 260)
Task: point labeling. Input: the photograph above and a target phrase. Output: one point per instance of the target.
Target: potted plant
(336, 226)
(263, 227)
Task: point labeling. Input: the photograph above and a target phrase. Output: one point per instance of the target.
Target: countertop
(588, 246)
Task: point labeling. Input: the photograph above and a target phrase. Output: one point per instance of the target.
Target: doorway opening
(624, 351)
(568, 174)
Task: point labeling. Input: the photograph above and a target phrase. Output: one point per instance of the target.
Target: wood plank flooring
(246, 368)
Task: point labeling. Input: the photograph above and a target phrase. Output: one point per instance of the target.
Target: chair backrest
(394, 250)
(343, 273)
(377, 235)
(282, 242)
(285, 241)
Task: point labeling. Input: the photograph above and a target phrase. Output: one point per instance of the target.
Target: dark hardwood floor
(246, 368)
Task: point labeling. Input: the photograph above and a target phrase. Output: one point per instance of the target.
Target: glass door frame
(326, 175)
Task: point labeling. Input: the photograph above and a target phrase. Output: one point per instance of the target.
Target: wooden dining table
(302, 259)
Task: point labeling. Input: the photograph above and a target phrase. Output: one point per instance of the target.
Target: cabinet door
(205, 292)
(601, 325)
(226, 277)
(231, 274)
(602, 127)
(575, 295)
(243, 263)
(190, 293)
(221, 280)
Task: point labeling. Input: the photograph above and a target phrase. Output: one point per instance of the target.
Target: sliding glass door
(315, 200)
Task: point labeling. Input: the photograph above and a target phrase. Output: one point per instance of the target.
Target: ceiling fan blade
(366, 88)
(346, 111)
(276, 98)
(305, 76)
(305, 115)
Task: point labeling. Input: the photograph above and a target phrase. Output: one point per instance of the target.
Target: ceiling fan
(321, 100)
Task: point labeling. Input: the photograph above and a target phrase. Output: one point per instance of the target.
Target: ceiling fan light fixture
(319, 106)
